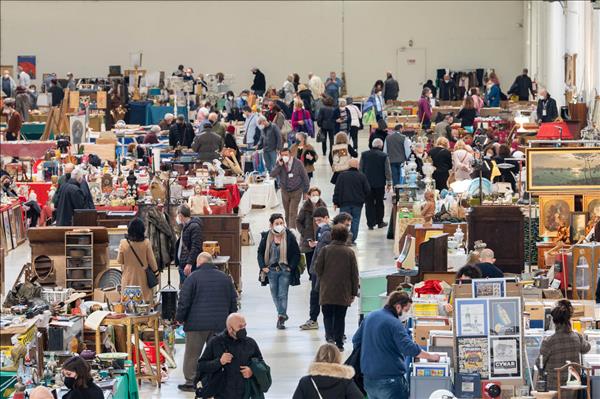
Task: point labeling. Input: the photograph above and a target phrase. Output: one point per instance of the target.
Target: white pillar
(554, 51)
(575, 39)
(594, 88)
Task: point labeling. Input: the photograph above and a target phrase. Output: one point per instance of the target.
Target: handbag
(320, 136)
(382, 124)
(150, 276)
(316, 388)
(308, 124)
(210, 384)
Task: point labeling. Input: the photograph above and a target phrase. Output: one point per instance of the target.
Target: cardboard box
(536, 314)
(424, 325)
(551, 293)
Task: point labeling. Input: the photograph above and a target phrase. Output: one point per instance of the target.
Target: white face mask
(403, 317)
(230, 98)
(321, 224)
(279, 228)
(285, 158)
(314, 199)
(244, 98)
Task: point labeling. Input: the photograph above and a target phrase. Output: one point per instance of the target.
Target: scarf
(282, 248)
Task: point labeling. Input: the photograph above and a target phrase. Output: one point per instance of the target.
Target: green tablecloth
(126, 386)
(32, 130)
(8, 380)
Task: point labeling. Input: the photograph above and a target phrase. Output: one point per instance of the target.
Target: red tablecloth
(219, 210)
(24, 149)
(230, 193)
(41, 189)
(551, 130)
(109, 208)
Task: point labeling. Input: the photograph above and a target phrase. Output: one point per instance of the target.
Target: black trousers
(334, 317)
(374, 206)
(354, 136)
(328, 136)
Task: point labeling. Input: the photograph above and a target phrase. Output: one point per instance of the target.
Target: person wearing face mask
(278, 257)
(546, 107)
(447, 89)
(306, 224)
(14, 120)
(33, 95)
(57, 92)
(305, 152)
(293, 181)
(189, 244)
(270, 141)
(70, 197)
(8, 84)
(384, 343)
(390, 88)
(375, 164)
(323, 238)
(251, 130)
(492, 95)
(233, 352)
(350, 193)
(337, 270)
(181, 133)
(78, 378)
(207, 297)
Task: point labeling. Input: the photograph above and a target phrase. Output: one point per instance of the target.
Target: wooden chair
(580, 368)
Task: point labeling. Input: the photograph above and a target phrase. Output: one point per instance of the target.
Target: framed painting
(473, 355)
(591, 205)
(115, 235)
(578, 225)
(563, 169)
(505, 357)
(27, 62)
(555, 213)
(505, 316)
(471, 317)
(488, 287)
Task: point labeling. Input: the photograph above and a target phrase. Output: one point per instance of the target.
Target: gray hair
(168, 116)
(77, 174)
(342, 102)
(155, 129)
(204, 256)
(377, 143)
(260, 119)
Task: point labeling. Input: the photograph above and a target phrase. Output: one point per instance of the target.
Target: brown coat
(557, 349)
(133, 272)
(337, 270)
(307, 147)
(305, 223)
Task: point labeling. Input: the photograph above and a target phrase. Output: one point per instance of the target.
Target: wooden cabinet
(226, 229)
(586, 261)
(502, 229)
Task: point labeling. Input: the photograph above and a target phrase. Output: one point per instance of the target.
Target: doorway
(411, 72)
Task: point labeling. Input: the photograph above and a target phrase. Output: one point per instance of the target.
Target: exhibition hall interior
(300, 199)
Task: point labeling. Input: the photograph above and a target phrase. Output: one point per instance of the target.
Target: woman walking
(278, 258)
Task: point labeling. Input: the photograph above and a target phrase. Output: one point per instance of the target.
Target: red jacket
(299, 115)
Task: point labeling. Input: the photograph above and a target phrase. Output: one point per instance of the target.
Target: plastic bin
(150, 352)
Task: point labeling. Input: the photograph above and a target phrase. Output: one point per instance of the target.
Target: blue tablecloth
(154, 114)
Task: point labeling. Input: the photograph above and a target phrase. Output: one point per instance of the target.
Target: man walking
(259, 85)
(270, 141)
(397, 146)
(522, 86)
(190, 241)
(333, 86)
(350, 193)
(390, 88)
(293, 181)
(232, 351)
(205, 300)
(375, 164)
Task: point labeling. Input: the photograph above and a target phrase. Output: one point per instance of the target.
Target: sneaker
(310, 325)
(280, 323)
(382, 225)
(186, 387)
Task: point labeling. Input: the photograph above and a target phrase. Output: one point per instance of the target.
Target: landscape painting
(563, 169)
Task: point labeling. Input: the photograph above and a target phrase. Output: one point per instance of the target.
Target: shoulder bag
(316, 388)
(151, 278)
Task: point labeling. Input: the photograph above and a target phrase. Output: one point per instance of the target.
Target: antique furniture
(226, 229)
(586, 261)
(79, 255)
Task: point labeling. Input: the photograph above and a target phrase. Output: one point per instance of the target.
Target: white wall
(279, 37)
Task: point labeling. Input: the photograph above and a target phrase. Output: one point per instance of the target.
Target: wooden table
(133, 322)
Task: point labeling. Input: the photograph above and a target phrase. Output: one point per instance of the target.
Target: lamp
(521, 119)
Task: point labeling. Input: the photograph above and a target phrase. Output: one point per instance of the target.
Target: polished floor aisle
(288, 352)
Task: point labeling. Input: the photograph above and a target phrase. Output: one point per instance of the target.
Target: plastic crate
(150, 352)
(53, 296)
(423, 387)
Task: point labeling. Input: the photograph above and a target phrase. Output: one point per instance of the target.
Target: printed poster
(473, 355)
(27, 62)
(505, 357)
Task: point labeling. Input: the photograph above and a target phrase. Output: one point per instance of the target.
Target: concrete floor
(288, 352)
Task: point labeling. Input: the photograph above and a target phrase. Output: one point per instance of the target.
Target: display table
(401, 225)
(25, 149)
(456, 260)
(137, 113)
(230, 193)
(133, 326)
(260, 194)
(41, 189)
(156, 113)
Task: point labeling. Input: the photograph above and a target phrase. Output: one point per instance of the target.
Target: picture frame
(10, 242)
(473, 355)
(555, 212)
(577, 225)
(115, 235)
(591, 205)
(505, 316)
(488, 287)
(471, 317)
(563, 169)
(505, 357)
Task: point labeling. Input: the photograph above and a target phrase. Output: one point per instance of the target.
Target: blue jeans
(387, 388)
(397, 173)
(354, 211)
(279, 283)
(269, 157)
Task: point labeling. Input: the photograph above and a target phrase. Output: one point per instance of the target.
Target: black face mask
(69, 382)
(241, 334)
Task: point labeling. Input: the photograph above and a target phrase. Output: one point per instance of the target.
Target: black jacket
(57, 95)
(334, 381)
(378, 134)
(307, 99)
(293, 251)
(87, 195)
(467, 116)
(260, 82)
(521, 87)
(206, 299)
(447, 90)
(390, 89)
(91, 392)
(242, 350)
(70, 198)
(191, 234)
(375, 164)
(326, 118)
(551, 110)
(181, 134)
(351, 188)
(489, 270)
